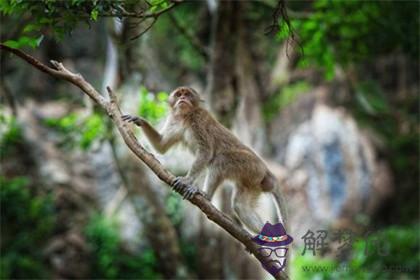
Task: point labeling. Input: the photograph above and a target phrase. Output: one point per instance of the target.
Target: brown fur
(216, 149)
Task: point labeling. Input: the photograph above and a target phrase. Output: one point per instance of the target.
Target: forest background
(326, 91)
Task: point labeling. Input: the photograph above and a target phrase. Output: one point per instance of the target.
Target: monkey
(217, 150)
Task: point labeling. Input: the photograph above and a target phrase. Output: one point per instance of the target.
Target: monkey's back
(229, 154)
(209, 133)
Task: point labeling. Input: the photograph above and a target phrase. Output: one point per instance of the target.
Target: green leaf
(24, 41)
(12, 44)
(31, 27)
(152, 106)
(94, 15)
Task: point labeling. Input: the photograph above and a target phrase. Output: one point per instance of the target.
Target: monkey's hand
(184, 187)
(133, 119)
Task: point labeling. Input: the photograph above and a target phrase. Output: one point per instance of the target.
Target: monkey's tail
(272, 185)
(282, 214)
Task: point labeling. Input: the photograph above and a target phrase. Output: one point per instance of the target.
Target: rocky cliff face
(334, 177)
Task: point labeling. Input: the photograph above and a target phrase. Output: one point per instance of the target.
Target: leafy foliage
(110, 260)
(346, 32)
(27, 221)
(400, 261)
(78, 131)
(156, 5)
(153, 106)
(58, 18)
(10, 134)
(24, 41)
(50, 16)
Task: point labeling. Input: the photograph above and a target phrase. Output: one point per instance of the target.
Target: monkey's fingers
(128, 118)
(189, 192)
(177, 184)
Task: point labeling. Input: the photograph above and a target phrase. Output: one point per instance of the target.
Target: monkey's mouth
(182, 101)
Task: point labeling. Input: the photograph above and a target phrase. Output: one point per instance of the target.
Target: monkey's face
(184, 99)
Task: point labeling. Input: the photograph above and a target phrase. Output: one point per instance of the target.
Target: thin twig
(145, 30)
(114, 112)
(155, 16)
(139, 14)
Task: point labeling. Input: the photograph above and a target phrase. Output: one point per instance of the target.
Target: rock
(334, 174)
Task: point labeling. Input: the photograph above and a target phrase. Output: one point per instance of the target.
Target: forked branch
(112, 109)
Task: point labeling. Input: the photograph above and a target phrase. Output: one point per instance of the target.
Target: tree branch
(112, 109)
(145, 30)
(140, 14)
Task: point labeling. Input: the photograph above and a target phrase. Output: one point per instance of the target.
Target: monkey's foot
(133, 119)
(185, 189)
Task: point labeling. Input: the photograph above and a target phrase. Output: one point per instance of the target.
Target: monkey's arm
(160, 141)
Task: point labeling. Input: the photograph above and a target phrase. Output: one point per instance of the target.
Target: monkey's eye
(177, 94)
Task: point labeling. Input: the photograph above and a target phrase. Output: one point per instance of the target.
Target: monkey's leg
(212, 181)
(244, 205)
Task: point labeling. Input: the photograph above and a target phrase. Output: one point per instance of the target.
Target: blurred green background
(75, 204)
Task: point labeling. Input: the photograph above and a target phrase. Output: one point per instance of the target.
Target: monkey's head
(184, 99)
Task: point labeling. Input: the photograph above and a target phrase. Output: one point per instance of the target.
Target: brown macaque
(217, 150)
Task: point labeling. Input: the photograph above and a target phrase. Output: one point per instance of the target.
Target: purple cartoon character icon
(273, 241)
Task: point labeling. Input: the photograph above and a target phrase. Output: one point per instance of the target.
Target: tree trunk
(234, 99)
(148, 208)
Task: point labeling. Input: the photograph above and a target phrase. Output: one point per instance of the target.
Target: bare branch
(145, 30)
(140, 14)
(114, 112)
